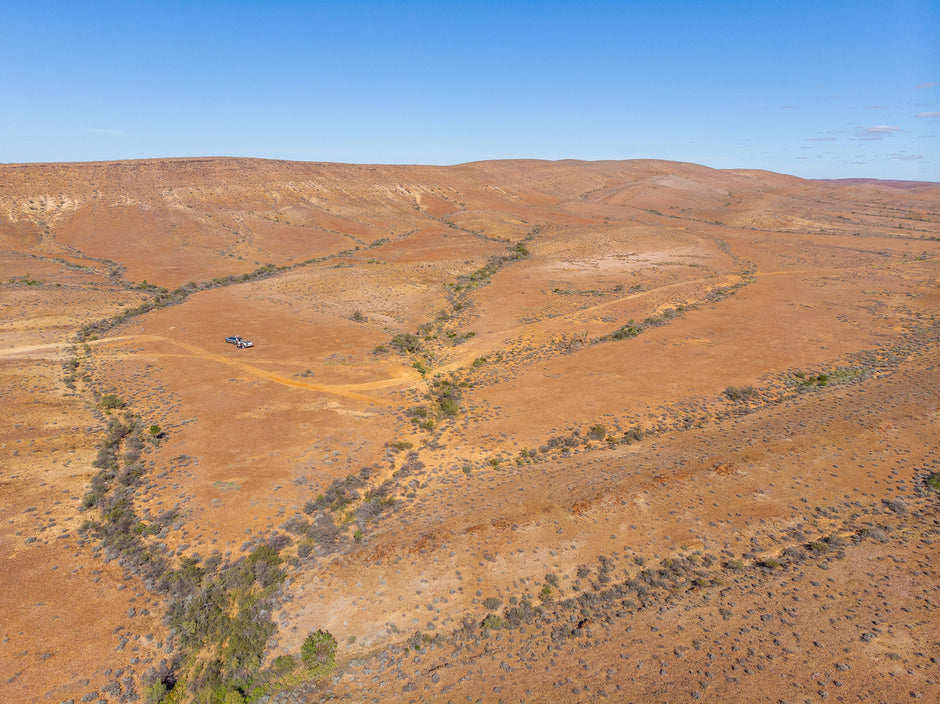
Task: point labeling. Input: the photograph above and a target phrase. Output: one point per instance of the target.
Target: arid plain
(514, 431)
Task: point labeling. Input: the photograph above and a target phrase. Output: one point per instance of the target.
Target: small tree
(319, 649)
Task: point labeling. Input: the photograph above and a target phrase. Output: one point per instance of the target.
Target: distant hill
(891, 183)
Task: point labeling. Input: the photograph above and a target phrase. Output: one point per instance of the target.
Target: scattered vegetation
(441, 331)
(811, 380)
(164, 298)
(720, 293)
(835, 377)
(219, 612)
(633, 328)
(26, 280)
(445, 393)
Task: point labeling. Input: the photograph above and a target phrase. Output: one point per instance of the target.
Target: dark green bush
(406, 342)
(735, 393)
(631, 329)
(634, 434)
(304, 549)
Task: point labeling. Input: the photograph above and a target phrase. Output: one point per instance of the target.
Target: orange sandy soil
(70, 624)
(753, 277)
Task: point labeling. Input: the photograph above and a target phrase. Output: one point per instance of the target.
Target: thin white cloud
(904, 156)
(821, 139)
(876, 107)
(935, 113)
(927, 85)
(877, 132)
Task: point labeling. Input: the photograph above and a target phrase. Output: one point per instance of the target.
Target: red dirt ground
(512, 276)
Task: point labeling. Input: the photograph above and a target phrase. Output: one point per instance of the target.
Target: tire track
(344, 390)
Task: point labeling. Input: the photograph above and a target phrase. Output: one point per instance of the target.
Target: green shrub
(933, 482)
(449, 406)
(492, 621)
(232, 696)
(110, 402)
(284, 664)
(155, 693)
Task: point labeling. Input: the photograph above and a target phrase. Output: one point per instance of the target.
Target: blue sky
(817, 89)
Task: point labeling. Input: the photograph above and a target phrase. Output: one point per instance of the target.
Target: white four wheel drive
(239, 341)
